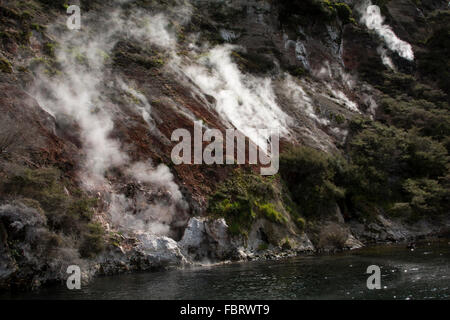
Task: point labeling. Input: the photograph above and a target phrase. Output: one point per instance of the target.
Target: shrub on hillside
(243, 198)
(93, 241)
(390, 165)
(44, 189)
(309, 175)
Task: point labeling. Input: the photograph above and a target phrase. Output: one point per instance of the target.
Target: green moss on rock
(243, 198)
(45, 189)
(5, 65)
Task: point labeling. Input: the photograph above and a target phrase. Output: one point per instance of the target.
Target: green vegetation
(245, 197)
(296, 71)
(148, 62)
(238, 214)
(5, 65)
(12, 36)
(309, 175)
(67, 209)
(126, 53)
(408, 113)
(36, 26)
(301, 223)
(396, 169)
(93, 242)
(286, 244)
(338, 118)
(384, 158)
(50, 48)
(268, 210)
(49, 65)
(344, 12)
(399, 163)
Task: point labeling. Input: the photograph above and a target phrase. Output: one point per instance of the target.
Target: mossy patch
(245, 197)
(50, 48)
(45, 64)
(263, 246)
(5, 65)
(126, 53)
(269, 211)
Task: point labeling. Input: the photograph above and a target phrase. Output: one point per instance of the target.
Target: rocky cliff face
(358, 91)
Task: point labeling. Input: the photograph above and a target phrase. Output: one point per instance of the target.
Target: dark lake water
(420, 274)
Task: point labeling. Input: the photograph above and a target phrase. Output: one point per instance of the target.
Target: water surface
(420, 274)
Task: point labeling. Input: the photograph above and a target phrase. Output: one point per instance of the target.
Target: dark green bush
(93, 241)
(67, 212)
(427, 197)
(387, 165)
(431, 121)
(309, 175)
(399, 170)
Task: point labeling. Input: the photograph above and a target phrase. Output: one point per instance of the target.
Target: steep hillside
(359, 92)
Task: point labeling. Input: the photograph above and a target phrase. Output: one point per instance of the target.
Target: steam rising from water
(372, 18)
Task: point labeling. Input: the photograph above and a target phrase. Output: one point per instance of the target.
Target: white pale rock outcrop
(208, 239)
(194, 234)
(161, 251)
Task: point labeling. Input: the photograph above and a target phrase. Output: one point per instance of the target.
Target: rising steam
(83, 93)
(245, 101)
(372, 18)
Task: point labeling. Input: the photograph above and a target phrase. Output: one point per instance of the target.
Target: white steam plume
(78, 93)
(302, 100)
(372, 18)
(245, 101)
(84, 92)
(387, 61)
(141, 214)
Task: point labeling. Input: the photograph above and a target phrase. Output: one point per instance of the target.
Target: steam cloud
(372, 18)
(245, 101)
(82, 95)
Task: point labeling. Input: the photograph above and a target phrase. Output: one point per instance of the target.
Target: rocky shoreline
(207, 242)
(88, 178)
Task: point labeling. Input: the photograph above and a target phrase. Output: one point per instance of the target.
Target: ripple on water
(406, 275)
